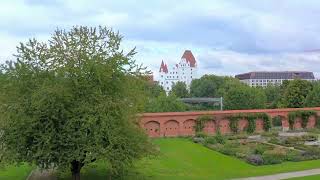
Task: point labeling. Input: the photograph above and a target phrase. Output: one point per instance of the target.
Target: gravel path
(284, 175)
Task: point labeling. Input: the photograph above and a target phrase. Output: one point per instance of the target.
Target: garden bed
(268, 149)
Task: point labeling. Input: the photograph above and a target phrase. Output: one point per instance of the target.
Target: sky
(227, 37)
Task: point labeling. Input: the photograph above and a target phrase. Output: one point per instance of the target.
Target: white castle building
(185, 71)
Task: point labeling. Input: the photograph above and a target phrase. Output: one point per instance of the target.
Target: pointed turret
(163, 67)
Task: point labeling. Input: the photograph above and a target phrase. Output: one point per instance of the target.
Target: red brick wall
(172, 124)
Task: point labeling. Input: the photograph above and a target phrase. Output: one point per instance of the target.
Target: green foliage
(201, 121)
(277, 121)
(304, 115)
(164, 103)
(313, 98)
(206, 86)
(295, 93)
(273, 95)
(72, 101)
(274, 156)
(220, 138)
(180, 90)
(251, 118)
(244, 97)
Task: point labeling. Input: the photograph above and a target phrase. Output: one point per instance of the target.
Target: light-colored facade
(263, 79)
(185, 71)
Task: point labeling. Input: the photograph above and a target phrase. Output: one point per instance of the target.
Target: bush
(198, 140)
(238, 136)
(294, 156)
(201, 135)
(294, 140)
(274, 156)
(260, 149)
(210, 140)
(220, 139)
(274, 140)
(255, 159)
(310, 137)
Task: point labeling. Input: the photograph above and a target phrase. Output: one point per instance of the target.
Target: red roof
(163, 67)
(189, 57)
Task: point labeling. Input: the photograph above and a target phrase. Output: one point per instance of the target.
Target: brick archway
(171, 128)
(188, 127)
(152, 128)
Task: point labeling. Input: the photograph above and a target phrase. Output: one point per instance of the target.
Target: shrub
(294, 140)
(220, 139)
(198, 140)
(274, 156)
(294, 156)
(210, 140)
(277, 121)
(274, 140)
(238, 136)
(260, 149)
(255, 159)
(201, 135)
(310, 137)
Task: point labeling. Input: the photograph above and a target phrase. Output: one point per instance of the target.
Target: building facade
(265, 78)
(185, 71)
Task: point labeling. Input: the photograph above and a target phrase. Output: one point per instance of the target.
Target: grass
(181, 159)
(315, 177)
(15, 172)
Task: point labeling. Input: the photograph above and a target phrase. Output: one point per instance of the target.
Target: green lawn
(181, 159)
(15, 172)
(315, 177)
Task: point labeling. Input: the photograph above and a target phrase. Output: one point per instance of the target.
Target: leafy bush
(237, 136)
(277, 121)
(294, 140)
(255, 159)
(198, 140)
(274, 140)
(274, 156)
(210, 140)
(310, 137)
(260, 149)
(294, 156)
(220, 138)
(201, 135)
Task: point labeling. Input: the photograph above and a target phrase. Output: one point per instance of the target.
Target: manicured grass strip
(315, 177)
(182, 159)
(15, 172)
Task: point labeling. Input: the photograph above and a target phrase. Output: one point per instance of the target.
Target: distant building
(185, 71)
(265, 78)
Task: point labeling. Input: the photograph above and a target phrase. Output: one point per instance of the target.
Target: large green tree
(164, 103)
(72, 101)
(206, 86)
(295, 93)
(180, 90)
(273, 94)
(313, 98)
(244, 97)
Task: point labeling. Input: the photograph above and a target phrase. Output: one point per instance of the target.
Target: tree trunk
(75, 169)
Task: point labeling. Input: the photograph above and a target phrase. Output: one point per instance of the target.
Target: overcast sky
(226, 36)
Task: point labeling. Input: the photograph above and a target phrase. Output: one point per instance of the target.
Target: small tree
(313, 98)
(165, 103)
(180, 90)
(295, 93)
(72, 101)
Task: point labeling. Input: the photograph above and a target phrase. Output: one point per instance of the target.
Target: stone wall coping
(226, 112)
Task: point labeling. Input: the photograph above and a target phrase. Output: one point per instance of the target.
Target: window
(190, 76)
(167, 82)
(161, 75)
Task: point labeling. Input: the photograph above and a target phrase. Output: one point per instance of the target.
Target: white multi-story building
(185, 71)
(265, 78)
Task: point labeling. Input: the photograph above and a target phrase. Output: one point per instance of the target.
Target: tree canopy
(206, 86)
(313, 98)
(180, 90)
(295, 93)
(73, 100)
